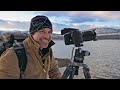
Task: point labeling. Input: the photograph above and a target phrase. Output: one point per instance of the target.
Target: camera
(74, 36)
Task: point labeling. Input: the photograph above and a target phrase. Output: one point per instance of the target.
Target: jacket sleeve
(54, 72)
(9, 68)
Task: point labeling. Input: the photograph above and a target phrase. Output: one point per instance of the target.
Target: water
(104, 59)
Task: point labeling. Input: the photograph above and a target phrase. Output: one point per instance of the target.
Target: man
(40, 64)
(9, 42)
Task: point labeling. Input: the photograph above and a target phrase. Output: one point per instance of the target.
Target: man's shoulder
(8, 52)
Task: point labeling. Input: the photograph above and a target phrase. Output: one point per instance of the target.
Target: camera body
(74, 36)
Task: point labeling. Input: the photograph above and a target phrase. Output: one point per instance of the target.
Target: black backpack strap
(22, 58)
(2, 49)
(50, 54)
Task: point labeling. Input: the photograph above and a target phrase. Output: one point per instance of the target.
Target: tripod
(72, 69)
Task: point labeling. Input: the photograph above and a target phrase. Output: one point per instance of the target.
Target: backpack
(21, 54)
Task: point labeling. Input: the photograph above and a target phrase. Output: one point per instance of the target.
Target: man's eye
(49, 32)
(41, 31)
(45, 32)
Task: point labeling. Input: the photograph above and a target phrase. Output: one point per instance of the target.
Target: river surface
(104, 59)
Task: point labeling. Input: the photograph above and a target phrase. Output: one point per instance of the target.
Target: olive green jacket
(35, 69)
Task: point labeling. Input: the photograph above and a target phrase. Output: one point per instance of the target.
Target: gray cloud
(7, 24)
(58, 27)
(52, 13)
(62, 19)
(81, 16)
(83, 19)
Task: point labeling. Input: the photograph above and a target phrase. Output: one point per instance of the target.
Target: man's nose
(47, 35)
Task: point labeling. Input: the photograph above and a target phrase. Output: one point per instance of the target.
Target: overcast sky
(20, 20)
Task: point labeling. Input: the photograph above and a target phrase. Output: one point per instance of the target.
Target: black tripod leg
(76, 70)
(66, 73)
(86, 71)
(72, 73)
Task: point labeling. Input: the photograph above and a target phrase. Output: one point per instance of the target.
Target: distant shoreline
(20, 38)
(103, 37)
(100, 37)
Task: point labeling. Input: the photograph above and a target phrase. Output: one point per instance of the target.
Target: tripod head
(79, 55)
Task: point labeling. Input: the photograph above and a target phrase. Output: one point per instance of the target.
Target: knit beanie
(39, 22)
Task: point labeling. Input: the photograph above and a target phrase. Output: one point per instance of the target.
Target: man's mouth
(45, 41)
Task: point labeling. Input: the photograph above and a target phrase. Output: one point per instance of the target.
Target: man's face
(43, 37)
